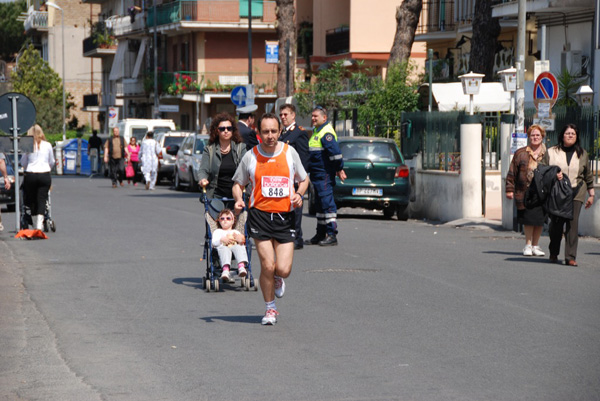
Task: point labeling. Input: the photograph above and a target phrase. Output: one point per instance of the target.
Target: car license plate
(367, 191)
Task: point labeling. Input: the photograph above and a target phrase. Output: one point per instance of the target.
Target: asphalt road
(110, 307)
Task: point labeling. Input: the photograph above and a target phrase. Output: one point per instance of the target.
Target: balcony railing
(209, 11)
(436, 17)
(130, 87)
(178, 83)
(122, 25)
(337, 41)
(36, 20)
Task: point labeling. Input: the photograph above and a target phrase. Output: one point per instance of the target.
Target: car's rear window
(374, 151)
(158, 130)
(139, 133)
(173, 140)
(200, 143)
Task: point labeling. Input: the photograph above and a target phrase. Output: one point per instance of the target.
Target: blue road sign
(272, 52)
(238, 96)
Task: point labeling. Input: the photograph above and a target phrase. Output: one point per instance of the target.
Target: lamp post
(471, 83)
(585, 96)
(64, 103)
(509, 83)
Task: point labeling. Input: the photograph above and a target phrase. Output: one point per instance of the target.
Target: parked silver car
(166, 161)
(187, 161)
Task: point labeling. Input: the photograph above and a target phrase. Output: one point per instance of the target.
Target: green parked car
(377, 177)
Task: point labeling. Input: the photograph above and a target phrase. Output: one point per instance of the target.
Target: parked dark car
(8, 197)
(377, 177)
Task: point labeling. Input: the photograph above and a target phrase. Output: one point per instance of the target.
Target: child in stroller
(222, 233)
(229, 242)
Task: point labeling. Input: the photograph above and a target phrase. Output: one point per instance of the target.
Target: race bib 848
(275, 187)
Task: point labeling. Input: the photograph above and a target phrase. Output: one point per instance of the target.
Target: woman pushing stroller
(228, 242)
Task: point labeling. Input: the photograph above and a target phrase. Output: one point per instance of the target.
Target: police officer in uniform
(296, 137)
(325, 163)
(245, 121)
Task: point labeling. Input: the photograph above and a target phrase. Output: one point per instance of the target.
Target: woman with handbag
(573, 161)
(518, 180)
(131, 171)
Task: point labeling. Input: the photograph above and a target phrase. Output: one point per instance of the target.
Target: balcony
(91, 49)
(436, 17)
(122, 25)
(337, 41)
(130, 87)
(36, 21)
(206, 13)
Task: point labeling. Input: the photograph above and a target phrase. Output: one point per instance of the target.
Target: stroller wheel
(216, 285)
(46, 225)
(53, 226)
(243, 281)
(206, 284)
(247, 284)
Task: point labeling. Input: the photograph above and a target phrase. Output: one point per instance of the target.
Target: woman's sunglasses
(228, 128)
(228, 218)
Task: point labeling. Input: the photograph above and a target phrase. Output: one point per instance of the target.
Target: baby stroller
(212, 279)
(27, 220)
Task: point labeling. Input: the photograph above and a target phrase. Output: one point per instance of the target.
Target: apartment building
(571, 36)
(202, 50)
(45, 24)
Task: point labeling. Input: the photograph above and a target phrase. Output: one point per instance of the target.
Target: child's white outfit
(225, 252)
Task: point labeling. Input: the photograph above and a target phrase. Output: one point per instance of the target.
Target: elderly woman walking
(519, 178)
(149, 156)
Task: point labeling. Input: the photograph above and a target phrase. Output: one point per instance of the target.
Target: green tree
(391, 97)
(37, 80)
(11, 30)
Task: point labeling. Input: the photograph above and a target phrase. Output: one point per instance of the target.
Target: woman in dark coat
(573, 161)
(518, 180)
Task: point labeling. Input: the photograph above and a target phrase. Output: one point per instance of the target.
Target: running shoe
(537, 251)
(528, 250)
(242, 271)
(270, 317)
(279, 287)
(225, 276)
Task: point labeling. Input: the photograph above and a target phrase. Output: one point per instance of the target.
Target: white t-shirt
(40, 161)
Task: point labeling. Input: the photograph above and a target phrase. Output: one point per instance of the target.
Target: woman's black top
(225, 181)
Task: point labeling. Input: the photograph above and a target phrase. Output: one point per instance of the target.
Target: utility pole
(520, 65)
(156, 113)
(250, 42)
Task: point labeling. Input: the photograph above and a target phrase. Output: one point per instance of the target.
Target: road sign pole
(15, 130)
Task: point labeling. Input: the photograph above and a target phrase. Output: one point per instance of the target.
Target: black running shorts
(278, 226)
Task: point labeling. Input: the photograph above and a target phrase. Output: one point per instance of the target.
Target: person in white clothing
(229, 242)
(149, 157)
(37, 166)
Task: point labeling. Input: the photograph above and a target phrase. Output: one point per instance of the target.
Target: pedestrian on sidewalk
(37, 181)
(573, 161)
(518, 180)
(6, 181)
(271, 167)
(149, 156)
(114, 156)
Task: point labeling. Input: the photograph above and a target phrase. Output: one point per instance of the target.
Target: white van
(138, 127)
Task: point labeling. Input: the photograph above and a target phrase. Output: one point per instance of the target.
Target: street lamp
(471, 84)
(64, 105)
(509, 83)
(584, 95)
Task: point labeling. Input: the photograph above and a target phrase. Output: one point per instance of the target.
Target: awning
(116, 71)
(491, 97)
(139, 59)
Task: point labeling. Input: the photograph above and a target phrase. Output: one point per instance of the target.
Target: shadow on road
(194, 282)
(233, 319)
